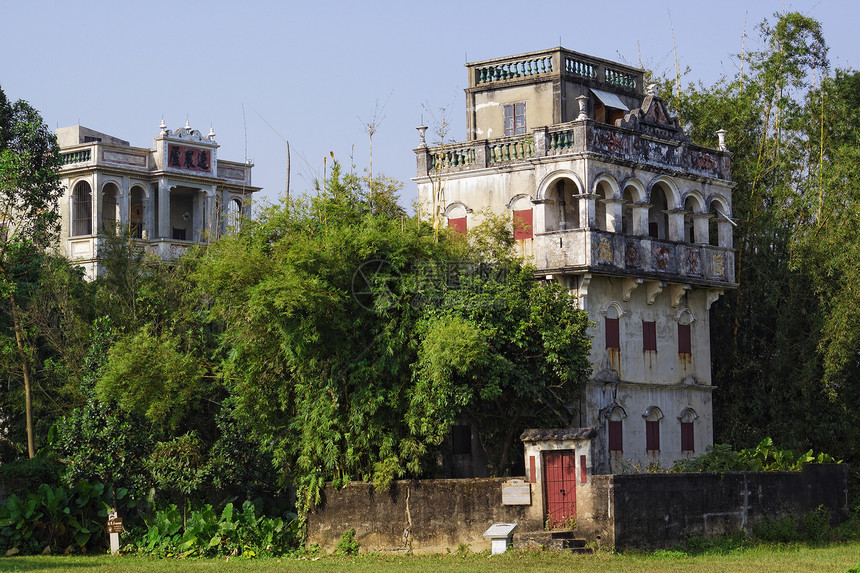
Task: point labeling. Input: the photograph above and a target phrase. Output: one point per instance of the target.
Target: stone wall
(622, 511)
(660, 510)
(426, 515)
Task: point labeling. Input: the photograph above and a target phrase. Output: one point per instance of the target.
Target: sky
(261, 73)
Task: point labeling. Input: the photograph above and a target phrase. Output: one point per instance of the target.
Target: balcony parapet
(578, 136)
(74, 157)
(621, 254)
(555, 63)
(98, 154)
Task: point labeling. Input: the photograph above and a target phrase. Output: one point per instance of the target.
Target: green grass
(758, 559)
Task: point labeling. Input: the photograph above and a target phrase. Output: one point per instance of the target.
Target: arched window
(109, 206)
(658, 219)
(523, 219)
(721, 227)
(136, 213)
(82, 209)
(611, 320)
(691, 207)
(233, 213)
(457, 218)
(652, 416)
(685, 335)
(687, 417)
(615, 428)
(604, 192)
(627, 211)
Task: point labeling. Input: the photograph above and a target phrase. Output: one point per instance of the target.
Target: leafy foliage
(149, 372)
(765, 457)
(59, 518)
(352, 339)
(242, 533)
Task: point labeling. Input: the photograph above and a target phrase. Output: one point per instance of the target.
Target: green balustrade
(75, 157)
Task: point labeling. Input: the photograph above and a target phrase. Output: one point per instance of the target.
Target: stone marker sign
(114, 525)
(114, 528)
(500, 535)
(516, 492)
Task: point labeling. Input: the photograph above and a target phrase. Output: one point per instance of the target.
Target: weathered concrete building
(167, 198)
(607, 196)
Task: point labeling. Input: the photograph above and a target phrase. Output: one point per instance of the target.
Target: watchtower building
(607, 196)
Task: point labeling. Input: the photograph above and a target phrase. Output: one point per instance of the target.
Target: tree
(785, 342)
(350, 353)
(29, 194)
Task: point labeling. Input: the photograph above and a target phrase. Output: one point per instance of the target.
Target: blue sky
(260, 72)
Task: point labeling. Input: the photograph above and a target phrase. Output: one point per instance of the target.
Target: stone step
(564, 540)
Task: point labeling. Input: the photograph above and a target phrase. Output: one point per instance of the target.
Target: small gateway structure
(166, 198)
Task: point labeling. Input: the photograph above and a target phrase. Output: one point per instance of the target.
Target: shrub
(780, 530)
(208, 533)
(59, 517)
(816, 525)
(347, 544)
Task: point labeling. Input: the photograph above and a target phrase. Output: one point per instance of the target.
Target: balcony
(635, 256)
(572, 138)
(553, 64)
(88, 155)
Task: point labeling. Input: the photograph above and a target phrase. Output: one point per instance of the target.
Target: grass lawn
(761, 559)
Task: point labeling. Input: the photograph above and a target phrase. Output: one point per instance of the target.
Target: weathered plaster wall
(489, 108)
(437, 514)
(622, 511)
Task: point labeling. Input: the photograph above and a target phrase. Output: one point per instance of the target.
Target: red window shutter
(685, 345)
(532, 471)
(523, 224)
(616, 443)
(582, 469)
(652, 435)
(649, 335)
(612, 338)
(687, 437)
(458, 224)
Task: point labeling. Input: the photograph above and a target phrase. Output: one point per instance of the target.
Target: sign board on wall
(189, 158)
(516, 492)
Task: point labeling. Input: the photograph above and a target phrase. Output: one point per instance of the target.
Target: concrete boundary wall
(427, 516)
(624, 511)
(660, 510)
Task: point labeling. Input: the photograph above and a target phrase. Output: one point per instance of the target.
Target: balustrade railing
(580, 68)
(560, 140)
(510, 150)
(620, 79)
(454, 157)
(75, 157)
(516, 69)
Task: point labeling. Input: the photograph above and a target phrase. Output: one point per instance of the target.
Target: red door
(560, 487)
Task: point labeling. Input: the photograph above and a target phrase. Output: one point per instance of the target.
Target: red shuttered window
(687, 437)
(649, 335)
(523, 224)
(458, 224)
(612, 338)
(685, 345)
(616, 444)
(652, 435)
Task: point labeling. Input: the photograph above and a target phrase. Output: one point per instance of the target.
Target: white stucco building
(608, 197)
(166, 198)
